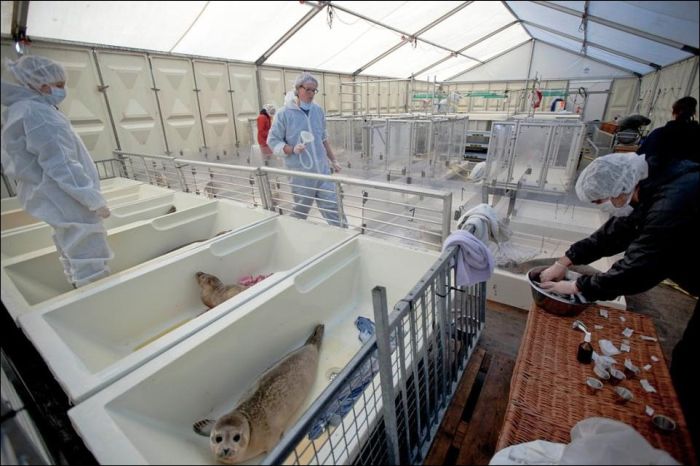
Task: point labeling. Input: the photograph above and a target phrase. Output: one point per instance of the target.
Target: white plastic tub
(38, 237)
(18, 219)
(32, 279)
(100, 332)
(147, 416)
(9, 203)
(106, 187)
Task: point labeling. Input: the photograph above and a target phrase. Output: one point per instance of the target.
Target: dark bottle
(585, 350)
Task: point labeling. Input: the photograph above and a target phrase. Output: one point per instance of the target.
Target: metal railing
(385, 406)
(412, 215)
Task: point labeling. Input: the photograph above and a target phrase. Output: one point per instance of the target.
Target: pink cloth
(251, 280)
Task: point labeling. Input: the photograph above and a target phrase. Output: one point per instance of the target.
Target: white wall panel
(178, 104)
(404, 102)
(133, 103)
(596, 101)
(695, 84)
(217, 113)
(332, 91)
(622, 98)
(647, 91)
(245, 96)
(384, 97)
(395, 105)
(673, 84)
(84, 104)
(373, 98)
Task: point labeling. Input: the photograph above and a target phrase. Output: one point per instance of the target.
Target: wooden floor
(473, 421)
(470, 428)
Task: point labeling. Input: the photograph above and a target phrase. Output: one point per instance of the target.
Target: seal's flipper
(203, 427)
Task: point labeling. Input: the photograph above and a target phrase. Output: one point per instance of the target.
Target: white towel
(486, 223)
(474, 260)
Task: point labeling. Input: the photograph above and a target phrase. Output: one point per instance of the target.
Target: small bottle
(585, 350)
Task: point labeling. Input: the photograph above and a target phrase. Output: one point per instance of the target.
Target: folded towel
(474, 260)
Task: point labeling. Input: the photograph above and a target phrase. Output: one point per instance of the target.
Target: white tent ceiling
(396, 39)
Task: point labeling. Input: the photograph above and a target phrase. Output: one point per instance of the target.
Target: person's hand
(103, 212)
(553, 273)
(299, 148)
(335, 165)
(562, 287)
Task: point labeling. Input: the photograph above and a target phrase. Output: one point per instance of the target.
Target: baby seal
(214, 292)
(258, 422)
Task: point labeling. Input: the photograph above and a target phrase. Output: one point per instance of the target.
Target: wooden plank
(443, 439)
(478, 446)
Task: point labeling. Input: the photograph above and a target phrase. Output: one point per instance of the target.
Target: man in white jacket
(57, 181)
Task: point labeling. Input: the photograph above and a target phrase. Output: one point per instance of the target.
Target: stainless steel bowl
(552, 302)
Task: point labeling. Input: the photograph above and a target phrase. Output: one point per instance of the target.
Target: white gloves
(553, 273)
(299, 148)
(103, 212)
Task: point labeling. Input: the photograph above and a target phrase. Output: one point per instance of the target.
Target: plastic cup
(623, 394)
(594, 385)
(663, 423)
(616, 376)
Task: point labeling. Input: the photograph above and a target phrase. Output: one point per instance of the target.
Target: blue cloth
(366, 328)
(474, 260)
(352, 390)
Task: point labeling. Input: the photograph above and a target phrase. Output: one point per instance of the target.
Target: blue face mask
(305, 105)
(57, 95)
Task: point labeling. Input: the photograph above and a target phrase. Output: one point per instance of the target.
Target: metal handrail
(257, 185)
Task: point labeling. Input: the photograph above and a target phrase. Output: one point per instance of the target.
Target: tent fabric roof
(395, 39)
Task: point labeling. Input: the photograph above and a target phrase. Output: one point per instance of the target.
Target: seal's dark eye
(218, 439)
(236, 437)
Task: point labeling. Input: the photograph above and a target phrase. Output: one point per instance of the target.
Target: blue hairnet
(611, 175)
(34, 71)
(304, 78)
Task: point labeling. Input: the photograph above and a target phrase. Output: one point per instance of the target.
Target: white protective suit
(57, 181)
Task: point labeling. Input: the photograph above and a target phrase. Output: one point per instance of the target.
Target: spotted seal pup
(258, 422)
(214, 292)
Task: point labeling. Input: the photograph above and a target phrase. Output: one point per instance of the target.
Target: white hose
(305, 137)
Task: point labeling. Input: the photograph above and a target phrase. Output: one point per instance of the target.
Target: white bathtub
(35, 239)
(17, 219)
(146, 417)
(95, 334)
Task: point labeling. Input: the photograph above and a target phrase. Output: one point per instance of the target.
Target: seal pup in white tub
(256, 424)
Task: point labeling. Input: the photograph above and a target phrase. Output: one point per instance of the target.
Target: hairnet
(270, 109)
(34, 71)
(611, 175)
(304, 78)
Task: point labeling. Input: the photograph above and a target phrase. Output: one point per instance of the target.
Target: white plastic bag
(594, 440)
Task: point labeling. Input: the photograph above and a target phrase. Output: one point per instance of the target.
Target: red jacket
(264, 124)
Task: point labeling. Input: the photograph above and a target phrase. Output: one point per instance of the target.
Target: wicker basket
(548, 395)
